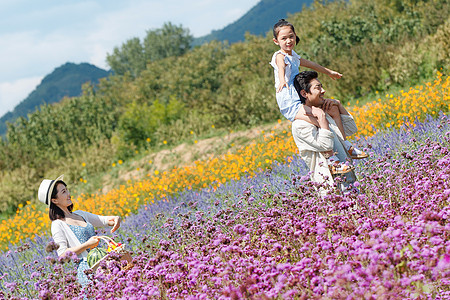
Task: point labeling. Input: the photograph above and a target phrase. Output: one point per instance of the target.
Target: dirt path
(185, 154)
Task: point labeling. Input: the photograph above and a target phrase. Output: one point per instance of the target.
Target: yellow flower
(83, 164)
(417, 102)
(164, 142)
(149, 140)
(120, 161)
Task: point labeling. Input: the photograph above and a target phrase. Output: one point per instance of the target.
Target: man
(322, 134)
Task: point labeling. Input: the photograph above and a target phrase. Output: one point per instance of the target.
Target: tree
(129, 58)
(133, 56)
(170, 40)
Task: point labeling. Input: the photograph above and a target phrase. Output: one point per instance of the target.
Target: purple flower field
(271, 237)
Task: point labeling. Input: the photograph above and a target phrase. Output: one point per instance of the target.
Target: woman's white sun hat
(46, 188)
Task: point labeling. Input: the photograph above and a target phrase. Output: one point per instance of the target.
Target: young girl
(286, 65)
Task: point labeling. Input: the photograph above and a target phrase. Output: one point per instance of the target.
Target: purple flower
(444, 263)
(240, 229)
(436, 240)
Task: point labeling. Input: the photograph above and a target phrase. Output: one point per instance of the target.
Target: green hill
(64, 81)
(257, 21)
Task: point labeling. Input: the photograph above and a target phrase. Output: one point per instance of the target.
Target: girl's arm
(281, 72)
(316, 67)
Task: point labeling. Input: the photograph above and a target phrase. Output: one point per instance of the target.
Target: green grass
(3, 216)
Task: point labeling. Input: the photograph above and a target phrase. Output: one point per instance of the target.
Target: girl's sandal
(340, 168)
(353, 155)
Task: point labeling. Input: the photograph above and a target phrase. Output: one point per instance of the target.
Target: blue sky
(38, 36)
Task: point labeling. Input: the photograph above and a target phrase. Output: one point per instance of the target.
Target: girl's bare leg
(305, 114)
(336, 115)
(355, 153)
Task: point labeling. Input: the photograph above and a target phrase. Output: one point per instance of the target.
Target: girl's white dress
(287, 99)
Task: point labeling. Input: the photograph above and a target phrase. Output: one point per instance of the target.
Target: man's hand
(321, 118)
(317, 112)
(328, 103)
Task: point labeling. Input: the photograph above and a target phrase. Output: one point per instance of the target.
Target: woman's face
(63, 198)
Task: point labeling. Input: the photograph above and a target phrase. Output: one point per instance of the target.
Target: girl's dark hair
(302, 81)
(55, 212)
(282, 23)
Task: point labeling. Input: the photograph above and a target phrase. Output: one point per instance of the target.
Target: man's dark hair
(54, 212)
(302, 81)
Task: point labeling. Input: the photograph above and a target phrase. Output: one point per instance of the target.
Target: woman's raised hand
(115, 222)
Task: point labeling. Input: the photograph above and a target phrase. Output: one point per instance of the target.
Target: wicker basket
(125, 255)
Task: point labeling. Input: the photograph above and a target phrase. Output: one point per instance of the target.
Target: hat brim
(50, 188)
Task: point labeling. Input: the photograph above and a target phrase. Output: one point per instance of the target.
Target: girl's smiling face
(286, 39)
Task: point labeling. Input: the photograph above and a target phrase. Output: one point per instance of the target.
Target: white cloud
(12, 93)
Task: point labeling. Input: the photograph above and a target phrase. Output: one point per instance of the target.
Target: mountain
(258, 20)
(64, 81)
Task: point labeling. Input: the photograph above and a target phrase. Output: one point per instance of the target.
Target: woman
(72, 231)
